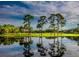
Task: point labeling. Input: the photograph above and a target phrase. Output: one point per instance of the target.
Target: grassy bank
(36, 34)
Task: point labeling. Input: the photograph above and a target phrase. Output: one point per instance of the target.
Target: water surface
(19, 47)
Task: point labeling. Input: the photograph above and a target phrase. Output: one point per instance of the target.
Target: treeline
(7, 28)
(74, 30)
(56, 23)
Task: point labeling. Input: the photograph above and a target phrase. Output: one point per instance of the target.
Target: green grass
(36, 34)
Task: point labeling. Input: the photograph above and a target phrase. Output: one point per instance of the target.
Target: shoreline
(39, 35)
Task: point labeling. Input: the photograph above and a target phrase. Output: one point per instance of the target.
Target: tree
(51, 21)
(60, 20)
(27, 22)
(40, 25)
(61, 23)
(7, 28)
(56, 20)
(21, 29)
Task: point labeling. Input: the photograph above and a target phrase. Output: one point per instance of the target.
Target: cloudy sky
(14, 11)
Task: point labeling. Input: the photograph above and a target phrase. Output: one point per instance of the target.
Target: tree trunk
(61, 35)
(57, 34)
(29, 31)
(41, 36)
(54, 34)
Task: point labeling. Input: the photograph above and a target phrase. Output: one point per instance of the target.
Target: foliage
(7, 28)
(42, 20)
(27, 22)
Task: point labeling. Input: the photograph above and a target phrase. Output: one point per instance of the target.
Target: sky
(12, 12)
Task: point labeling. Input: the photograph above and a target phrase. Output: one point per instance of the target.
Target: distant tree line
(7, 28)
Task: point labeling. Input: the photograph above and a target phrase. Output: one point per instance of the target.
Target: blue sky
(12, 12)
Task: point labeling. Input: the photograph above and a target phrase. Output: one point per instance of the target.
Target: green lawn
(36, 34)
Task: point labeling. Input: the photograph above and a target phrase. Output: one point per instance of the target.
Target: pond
(39, 47)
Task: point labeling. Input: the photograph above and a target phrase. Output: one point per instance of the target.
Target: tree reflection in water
(8, 41)
(41, 49)
(57, 48)
(26, 43)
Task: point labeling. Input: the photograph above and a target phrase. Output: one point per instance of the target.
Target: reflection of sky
(13, 12)
(11, 50)
(17, 50)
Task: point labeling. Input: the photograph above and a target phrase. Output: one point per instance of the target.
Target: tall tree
(61, 23)
(51, 21)
(60, 20)
(27, 21)
(40, 25)
(56, 20)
